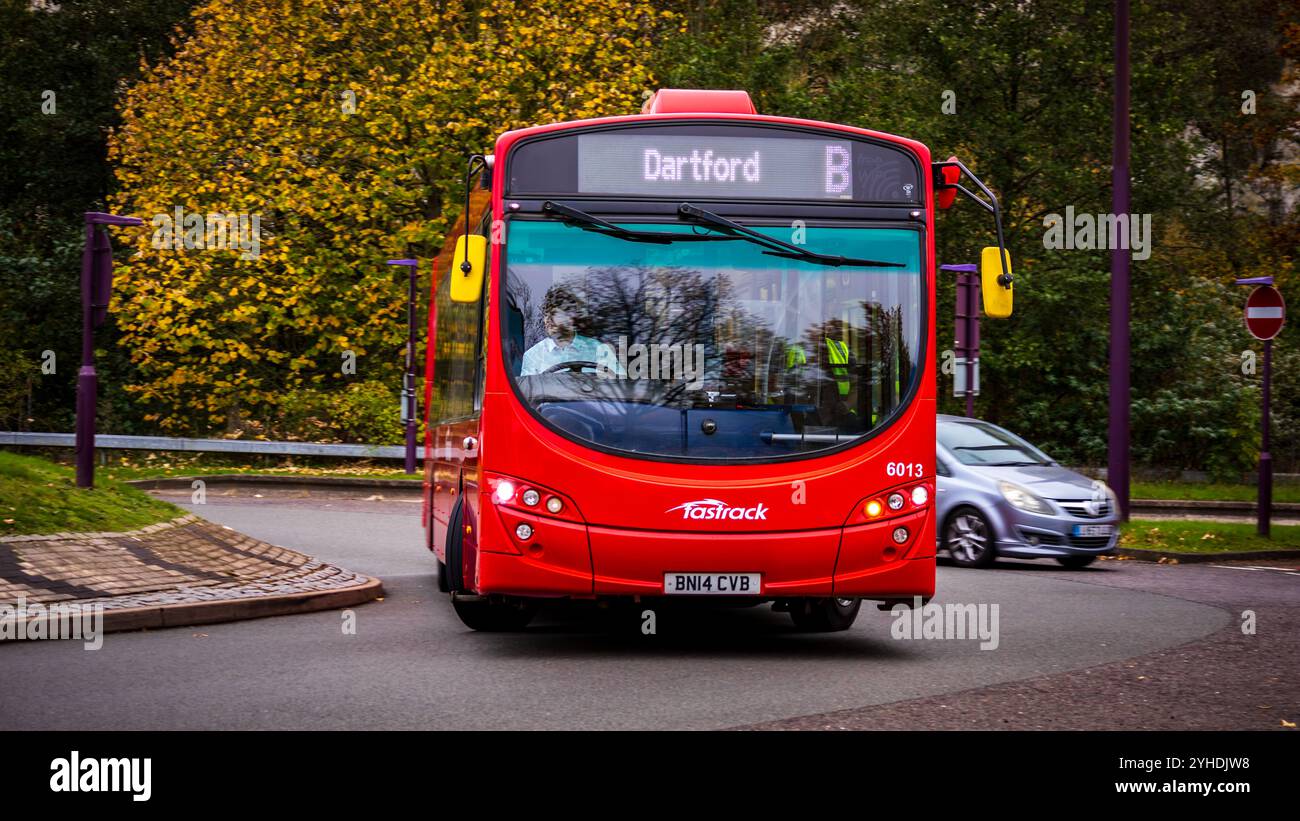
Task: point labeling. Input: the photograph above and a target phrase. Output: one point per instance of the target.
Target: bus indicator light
(873, 508)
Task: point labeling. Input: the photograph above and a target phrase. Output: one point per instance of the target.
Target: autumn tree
(344, 128)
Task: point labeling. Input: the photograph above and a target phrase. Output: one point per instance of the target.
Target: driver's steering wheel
(574, 365)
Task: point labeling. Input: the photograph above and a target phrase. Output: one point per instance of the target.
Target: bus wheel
(494, 615)
(824, 615)
(454, 568)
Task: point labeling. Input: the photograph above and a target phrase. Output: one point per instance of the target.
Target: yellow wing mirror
(997, 296)
(467, 266)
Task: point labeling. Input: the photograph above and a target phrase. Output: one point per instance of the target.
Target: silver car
(1001, 496)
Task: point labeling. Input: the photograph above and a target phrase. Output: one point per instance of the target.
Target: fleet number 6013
(906, 470)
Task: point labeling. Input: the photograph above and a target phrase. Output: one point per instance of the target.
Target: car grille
(1090, 541)
(1076, 507)
(1057, 539)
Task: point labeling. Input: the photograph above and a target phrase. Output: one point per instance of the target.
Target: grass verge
(37, 496)
(1181, 536)
(1210, 491)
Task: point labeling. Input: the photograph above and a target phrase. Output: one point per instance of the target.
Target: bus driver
(563, 343)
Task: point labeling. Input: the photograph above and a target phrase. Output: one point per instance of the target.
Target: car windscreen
(978, 443)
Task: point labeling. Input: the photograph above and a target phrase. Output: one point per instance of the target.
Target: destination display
(759, 167)
(715, 161)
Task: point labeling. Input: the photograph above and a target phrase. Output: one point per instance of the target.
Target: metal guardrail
(112, 442)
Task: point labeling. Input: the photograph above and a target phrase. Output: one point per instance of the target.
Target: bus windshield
(711, 350)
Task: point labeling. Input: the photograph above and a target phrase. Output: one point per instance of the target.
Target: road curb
(185, 571)
(220, 611)
(1194, 558)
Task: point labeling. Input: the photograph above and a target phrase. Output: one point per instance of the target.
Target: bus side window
(481, 346)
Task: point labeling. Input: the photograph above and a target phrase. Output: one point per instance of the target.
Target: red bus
(689, 353)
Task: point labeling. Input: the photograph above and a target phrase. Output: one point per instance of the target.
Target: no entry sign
(1265, 312)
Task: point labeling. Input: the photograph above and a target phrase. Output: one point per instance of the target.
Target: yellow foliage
(345, 127)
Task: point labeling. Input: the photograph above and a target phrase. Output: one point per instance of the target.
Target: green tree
(1032, 87)
(60, 69)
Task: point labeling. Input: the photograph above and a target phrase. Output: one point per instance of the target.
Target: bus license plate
(1092, 530)
(713, 584)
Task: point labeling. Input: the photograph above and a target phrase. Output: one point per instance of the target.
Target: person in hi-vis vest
(834, 389)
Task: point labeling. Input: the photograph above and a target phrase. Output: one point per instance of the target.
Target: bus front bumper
(865, 561)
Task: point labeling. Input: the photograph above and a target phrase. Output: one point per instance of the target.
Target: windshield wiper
(591, 222)
(784, 249)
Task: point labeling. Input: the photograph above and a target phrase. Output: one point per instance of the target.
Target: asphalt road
(411, 664)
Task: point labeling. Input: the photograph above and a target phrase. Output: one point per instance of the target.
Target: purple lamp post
(1117, 447)
(96, 288)
(966, 338)
(408, 379)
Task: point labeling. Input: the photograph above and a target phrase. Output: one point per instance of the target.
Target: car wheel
(495, 615)
(968, 538)
(1076, 562)
(824, 615)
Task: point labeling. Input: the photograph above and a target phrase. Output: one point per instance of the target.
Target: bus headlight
(554, 505)
(920, 495)
(531, 497)
(895, 501)
(524, 531)
(1023, 499)
(505, 492)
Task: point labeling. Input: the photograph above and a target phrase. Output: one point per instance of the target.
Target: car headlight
(1110, 494)
(1023, 499)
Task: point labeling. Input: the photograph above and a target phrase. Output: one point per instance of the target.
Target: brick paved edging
(186, 571)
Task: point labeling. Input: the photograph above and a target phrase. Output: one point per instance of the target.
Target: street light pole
(1117, 471)
(96, 288)
(408, 378)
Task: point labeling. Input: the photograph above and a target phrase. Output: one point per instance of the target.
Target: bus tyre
(1076, 562)
(455, 566)
(968, 538)
(824, 615)
(495, 615)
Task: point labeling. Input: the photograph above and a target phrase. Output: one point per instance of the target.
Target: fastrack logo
(718, 509)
